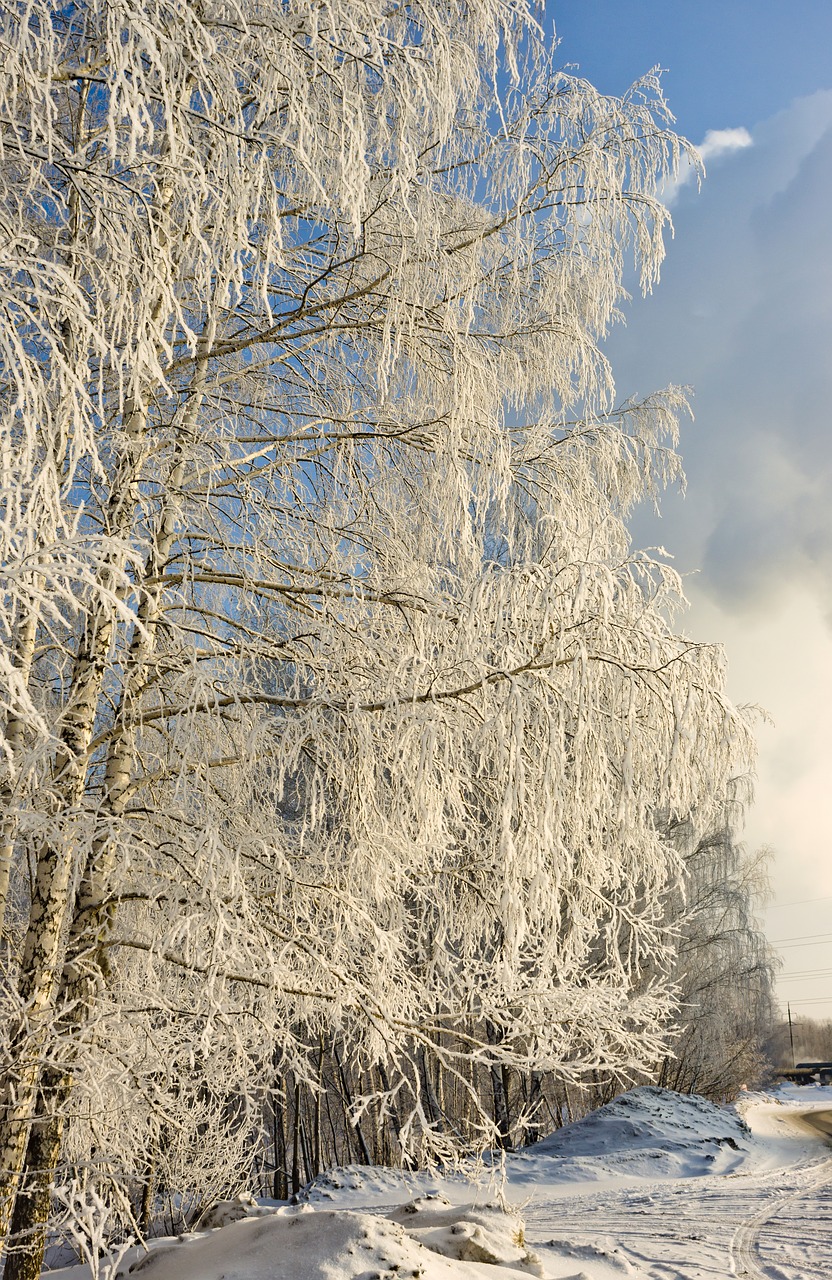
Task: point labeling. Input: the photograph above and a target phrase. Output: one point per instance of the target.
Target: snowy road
(791, 1234)
(759, 1222)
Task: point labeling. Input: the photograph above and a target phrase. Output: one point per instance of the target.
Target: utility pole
(791, 1036)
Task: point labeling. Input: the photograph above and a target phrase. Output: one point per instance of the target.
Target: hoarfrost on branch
(337, 703)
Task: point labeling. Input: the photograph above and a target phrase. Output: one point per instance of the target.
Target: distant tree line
(807, 1040)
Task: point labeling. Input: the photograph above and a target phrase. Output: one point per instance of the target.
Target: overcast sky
(743, 314)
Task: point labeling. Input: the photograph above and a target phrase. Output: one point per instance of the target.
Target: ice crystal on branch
(338, 707)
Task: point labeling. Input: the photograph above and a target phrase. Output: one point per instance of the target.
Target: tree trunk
(44, 947)
(535, 1105)
(316, 1132)
(280, 1186)
(499, 1091)
(502, 1121)
(40, 968)
(93, 916)
(296, 1142)
(393, 1112)
(32, 1203)
(355, 1125)
(336, 1160)
(433, 1109)
(148, 1197)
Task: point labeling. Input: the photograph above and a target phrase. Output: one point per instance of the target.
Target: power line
(813, 1000)
(805, 977)
(787, 946)
(804, 974)
(801, 902)
(800, 937)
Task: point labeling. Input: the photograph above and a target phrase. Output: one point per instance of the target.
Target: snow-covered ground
(655, 1185)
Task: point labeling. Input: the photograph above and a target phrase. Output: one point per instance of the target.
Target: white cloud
(719, 142)
(744, 314)
(716, 143)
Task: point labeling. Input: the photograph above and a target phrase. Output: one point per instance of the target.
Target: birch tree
(336, 701)
(725, 968)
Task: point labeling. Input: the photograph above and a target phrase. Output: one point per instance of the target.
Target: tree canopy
(338, 706)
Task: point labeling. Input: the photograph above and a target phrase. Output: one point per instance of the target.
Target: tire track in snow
(744, 1251)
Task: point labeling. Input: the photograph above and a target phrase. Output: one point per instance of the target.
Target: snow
(647, 1133)
(426, 1238)
(654, 1186)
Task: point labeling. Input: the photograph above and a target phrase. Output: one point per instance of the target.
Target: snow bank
(426, 1239)
(647, 1133)
(470, 1233)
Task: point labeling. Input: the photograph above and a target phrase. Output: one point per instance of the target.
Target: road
(772, 1221)
(820, 1121)
(791, 1231)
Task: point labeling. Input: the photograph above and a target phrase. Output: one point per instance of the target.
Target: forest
(362, 798)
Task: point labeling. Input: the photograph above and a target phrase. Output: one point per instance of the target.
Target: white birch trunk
(91, 918)
(91, 915)
(44, 946)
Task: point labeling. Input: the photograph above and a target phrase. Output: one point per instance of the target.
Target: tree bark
(355, 1125)
(500, 1091)
(296, 1142)
(44, 947)
(32, 1203)
(92, 918)
(280, 1186)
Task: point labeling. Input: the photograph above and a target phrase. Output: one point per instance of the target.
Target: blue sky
(743, 314)
(728, 61)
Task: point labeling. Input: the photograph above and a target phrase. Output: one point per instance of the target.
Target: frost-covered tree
(336, 701)
(801, 1039)
(725, 966)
